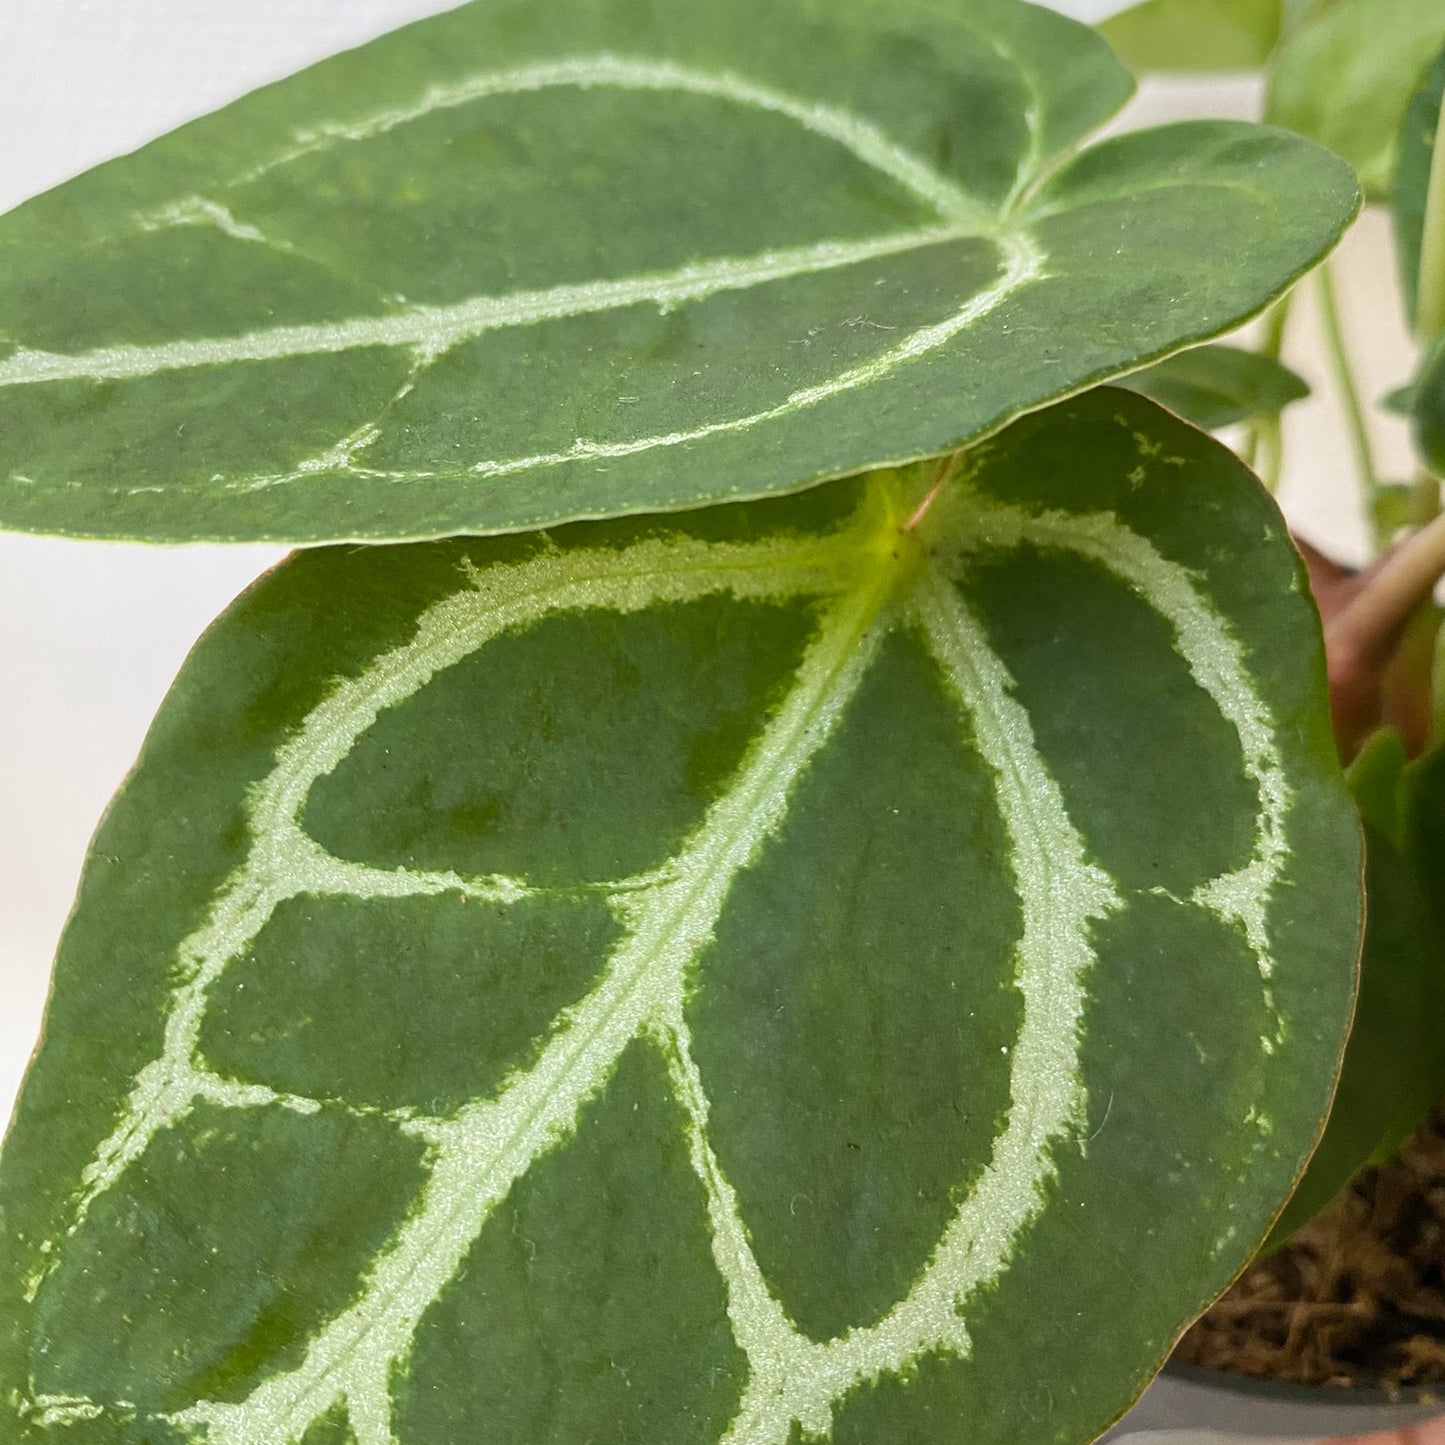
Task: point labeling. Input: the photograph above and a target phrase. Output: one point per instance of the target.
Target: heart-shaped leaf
(1347, 77)
(517, 264)
(864, 965)
(1195, 35)
(1217, 386)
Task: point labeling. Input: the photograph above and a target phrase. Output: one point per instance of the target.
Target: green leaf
(1422, 402)
(520, 264)
(1216, 386)
(1401, 401)
(1428, 405)
(1299, 13)
(1392, 509)
(1195, 35)
(1410, 195)
(1394, 1069)
(1425, 823)
(1346, 79)
(1420, 1070)
(1379, 784)
(764, 974)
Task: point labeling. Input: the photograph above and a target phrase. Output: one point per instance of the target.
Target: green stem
(1263, 449)
(1269, 447)
(1430, 304)
(1274, 326)
(1349, 391)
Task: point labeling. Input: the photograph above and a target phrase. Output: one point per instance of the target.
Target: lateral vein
(431, 331)
(1217, 662)
(479, 1154)
(1062, 894)
(855, 133)
(1024, 264)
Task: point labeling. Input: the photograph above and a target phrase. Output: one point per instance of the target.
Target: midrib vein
(796, 1380)
(480, 1153)
(1062, 894)
(284, 861)
(433, 330)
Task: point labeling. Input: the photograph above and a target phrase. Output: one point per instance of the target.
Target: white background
(92, 633)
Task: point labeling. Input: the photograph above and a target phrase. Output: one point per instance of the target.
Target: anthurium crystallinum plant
(700, 930)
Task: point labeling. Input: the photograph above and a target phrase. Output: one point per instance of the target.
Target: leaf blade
(393, 333)
(1177, 35)
(1410, 194)
(1427, 407)
(1346, 78)
(1218, 386)
(293, 695)
(1394, 1065)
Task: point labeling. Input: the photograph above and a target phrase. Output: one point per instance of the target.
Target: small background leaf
(1425, 820)
(1410, 193)
(1401, 401)
(1379, 784)
(1346, 78)
(1394, 1069)
(1392, 509)
(1217, 386)
(1428, 404)
(1195, 35)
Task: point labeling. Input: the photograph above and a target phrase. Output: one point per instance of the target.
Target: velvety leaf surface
(1216, 386)
(758, 975)
(1195, 35)
(1347, 77)
(518, 264)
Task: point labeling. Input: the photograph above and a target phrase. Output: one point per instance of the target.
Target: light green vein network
(868, 585)
(983, 262)
(429, 332)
